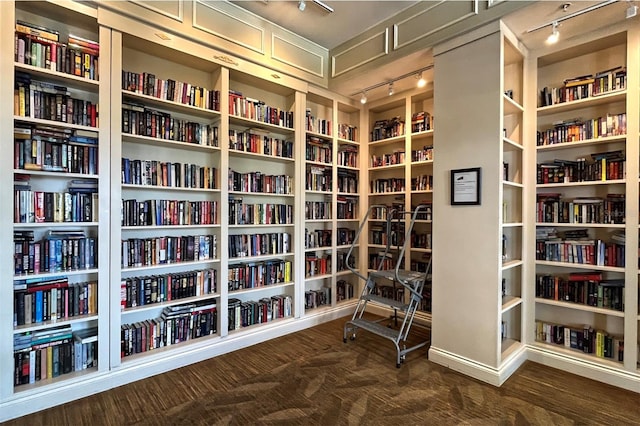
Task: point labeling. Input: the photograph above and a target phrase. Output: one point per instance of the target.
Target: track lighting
(302, 5)
(417, 74)
(632, 10)
(363, 98)
(555, 35)
(391, 88)
(421, 81)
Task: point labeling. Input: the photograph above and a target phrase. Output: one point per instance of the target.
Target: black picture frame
(465, 187)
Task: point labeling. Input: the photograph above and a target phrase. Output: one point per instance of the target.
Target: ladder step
(376, 328)
(401, 306)
(405, 276)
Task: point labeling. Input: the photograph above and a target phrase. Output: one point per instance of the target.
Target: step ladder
(412, 282)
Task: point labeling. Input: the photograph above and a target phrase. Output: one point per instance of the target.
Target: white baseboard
(31, 401)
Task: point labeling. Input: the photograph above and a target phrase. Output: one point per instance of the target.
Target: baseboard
(591, 370)
(482, 372)
(28, 402)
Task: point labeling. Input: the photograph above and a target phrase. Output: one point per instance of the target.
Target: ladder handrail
(364, 222)
(407, 241)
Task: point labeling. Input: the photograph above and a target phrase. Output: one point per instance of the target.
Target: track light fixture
(390, 88)
(302, 5)
(363, 98)
(421, 81)
(555, 34)
(632, 10)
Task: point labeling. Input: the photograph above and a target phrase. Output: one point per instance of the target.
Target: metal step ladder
(412, 282)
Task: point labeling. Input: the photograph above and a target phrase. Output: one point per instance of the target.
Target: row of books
(318, 179)
(601, 168)
(420, 240)
(150, 289)
(585, 86)
(49, 353)
(317, 210)
(588, 288)
(258, 182)
(316, 298)
(316, 125)
(585, 339)
(315, 265)
(176, 324)
(37, 300)
(48, 101)
(345, 236)
(48, 207)
(258, 274)
(68, 154)
(168, 174)
(389, 292)
(342, 260)
(257, 141)
(381, 186)
(347, 181)
(244, 245)
(551, 208)
(138, 252)
(347, 156)
(245, 314)
(425, 212)
(422, 183)
(168, 212)
(41, 47)
(424, 154)
(142, 121)
(389, 159)
(344, 290)
(58, 251)
(576, 130)
(421, 121)
(384, 129)
(584, 252)
(241, 213)
(318, 150)
(380, 261)
(347, 208)
(393, 235)
(170, 90)
(254, 109)
(315, 238)
(348, 132)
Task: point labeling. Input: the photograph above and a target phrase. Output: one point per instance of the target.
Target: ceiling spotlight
(632, 10)
(391, 88)
(421, 81)
(363, 98)
(301, 5)
(555, 35)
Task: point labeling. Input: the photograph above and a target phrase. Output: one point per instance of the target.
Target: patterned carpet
(313, 378)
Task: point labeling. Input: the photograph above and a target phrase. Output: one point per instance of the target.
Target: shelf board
(508, 346)
(148, 100)
(421, 163)
(420, 250)
(345, 246)
(423, 221)
(56, 225)
(512, 184)
(387, 167)
(512, 224)
(323, 248)
(580, 266)
(158, 227)
(387, 141)
(262, 194)
(165, 188)
(319, 135)
(317, 277)
(168, 265)
(605, 98)
(348, 220)
(342, 141)
(144, 358)
(168, 143)
(59, 77)
(57, 175)
(345, 272)
(318, 220)
(511, 106)
(313, 191)
(355, 169)
(348, 194)
(68, 379)
(262, 288)
(237, 153)
(54, 123)
(267, 324)
(387, 193)
(257, 258)
(260, 225)
(578, 354)
(422, 191)
(511, 264)
(581, 225)
(56, 274)
(52, 324)
(242, 121)
(423, 134)
(154, 306)
(580, 307)
(317, 310)
(586, 183)
(509, 143)
(318, 163)
(578, 144)
(510, 302)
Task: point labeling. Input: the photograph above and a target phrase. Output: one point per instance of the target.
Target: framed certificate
(465, 187)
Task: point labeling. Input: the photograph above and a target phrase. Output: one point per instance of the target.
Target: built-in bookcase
(56, 307)
(512, 198)
(586, 230)
(167, 235)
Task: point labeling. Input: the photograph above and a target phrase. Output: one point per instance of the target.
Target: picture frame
(465, 187)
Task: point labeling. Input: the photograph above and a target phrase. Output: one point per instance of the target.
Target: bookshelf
(586, 299)
(59, 165)
(512, 197)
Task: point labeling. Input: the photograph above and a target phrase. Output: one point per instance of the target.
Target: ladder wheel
(353, 337)
(344, 340)
(398, 365)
